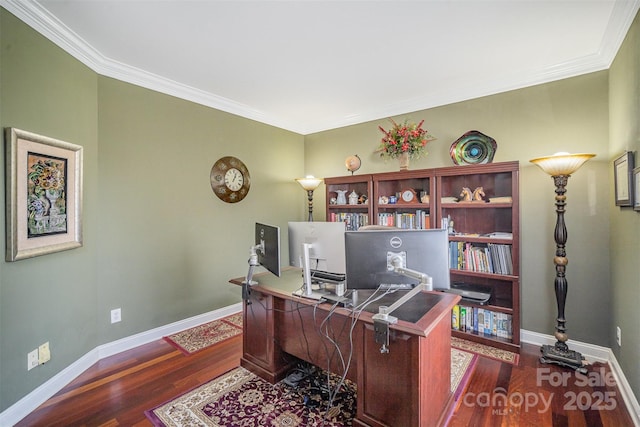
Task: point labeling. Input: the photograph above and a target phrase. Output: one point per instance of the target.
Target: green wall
(53, 297)
(625, 223)
(157, 242)
(155, 236)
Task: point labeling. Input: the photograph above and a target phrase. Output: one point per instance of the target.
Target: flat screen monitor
(371, 254)
(267, 240)
(326, 251)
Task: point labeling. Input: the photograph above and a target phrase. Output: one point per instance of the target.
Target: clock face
(230, 179)
(233, 179)
(408, 195)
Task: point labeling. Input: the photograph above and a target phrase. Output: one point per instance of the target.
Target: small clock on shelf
(407, 196)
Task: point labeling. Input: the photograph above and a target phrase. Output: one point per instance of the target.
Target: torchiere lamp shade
(561, 163)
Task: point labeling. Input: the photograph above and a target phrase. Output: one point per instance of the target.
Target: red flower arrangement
(403, 138)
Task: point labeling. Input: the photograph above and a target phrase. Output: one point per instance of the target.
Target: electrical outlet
(619, 336)
(116, 315)
(32, 359)
(44, 354)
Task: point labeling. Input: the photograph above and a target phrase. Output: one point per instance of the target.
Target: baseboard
(593, 353)
(625, 389)
(37, 397)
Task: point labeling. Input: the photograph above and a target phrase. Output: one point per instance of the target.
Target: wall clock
(230, 179)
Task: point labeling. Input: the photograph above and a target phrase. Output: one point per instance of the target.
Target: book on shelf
(494, 258)
(414, 221)
(352, 220)
(482, 321)
(502, 199)
(500, 235)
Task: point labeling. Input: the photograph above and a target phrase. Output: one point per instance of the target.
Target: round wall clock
(230, 179)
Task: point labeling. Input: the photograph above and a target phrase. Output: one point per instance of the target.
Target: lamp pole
(560, 166)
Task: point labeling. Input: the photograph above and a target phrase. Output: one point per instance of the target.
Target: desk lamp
(309, 183)
(560, 166)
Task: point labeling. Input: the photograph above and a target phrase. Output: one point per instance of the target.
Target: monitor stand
(311, 295)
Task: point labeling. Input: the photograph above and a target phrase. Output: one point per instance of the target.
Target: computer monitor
(318, 248)
(326, 251)
(372, 254)
(265, 252)
(267, 240)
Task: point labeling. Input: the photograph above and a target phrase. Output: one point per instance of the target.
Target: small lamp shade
(561, 163)
(309, 183)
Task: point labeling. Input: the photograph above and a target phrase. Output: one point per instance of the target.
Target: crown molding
(34, 15)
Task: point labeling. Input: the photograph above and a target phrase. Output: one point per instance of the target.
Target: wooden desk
(409, 386)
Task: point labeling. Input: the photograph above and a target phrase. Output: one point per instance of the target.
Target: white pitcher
(342, 200)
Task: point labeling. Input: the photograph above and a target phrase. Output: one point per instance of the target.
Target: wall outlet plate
(116, 315)
(32, 359)
(44, 354)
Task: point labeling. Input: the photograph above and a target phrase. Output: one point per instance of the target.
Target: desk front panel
(326, 339)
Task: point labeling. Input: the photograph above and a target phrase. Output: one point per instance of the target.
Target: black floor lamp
(560, 166)
(309, 184)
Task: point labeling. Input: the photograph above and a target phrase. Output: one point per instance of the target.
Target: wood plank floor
(116, 391)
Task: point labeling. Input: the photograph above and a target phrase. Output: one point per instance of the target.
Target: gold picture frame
(44, 195)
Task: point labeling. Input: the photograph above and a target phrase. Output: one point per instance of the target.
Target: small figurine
(353, 198)
(466, 194)
(478, 195)
(472, 196)
(383, 200)
(363, 199)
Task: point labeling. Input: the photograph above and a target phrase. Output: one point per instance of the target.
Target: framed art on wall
(44, 195)
(622, 167)
(636, 189)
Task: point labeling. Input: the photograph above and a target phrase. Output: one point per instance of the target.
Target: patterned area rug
(240, 398)
(207, 334)
(485, 350)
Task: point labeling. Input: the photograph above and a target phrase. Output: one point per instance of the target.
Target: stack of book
(413, 221)
(492, 258)
(352, 220)
(481, 321)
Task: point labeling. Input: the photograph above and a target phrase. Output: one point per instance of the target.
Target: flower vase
(404, 161)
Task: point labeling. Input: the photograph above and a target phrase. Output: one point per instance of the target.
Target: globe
(353, 163)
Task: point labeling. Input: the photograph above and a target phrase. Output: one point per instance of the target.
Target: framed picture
(636, 189)
(622, 167)
(44, 195)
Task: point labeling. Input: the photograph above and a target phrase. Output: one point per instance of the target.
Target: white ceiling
(309, 66)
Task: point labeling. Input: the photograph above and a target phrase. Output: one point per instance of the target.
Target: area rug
(200, 337)
(240, 398)
(485, 350)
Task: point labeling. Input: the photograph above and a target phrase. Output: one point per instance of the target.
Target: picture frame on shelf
(44, 195)
(636, 189)
(622, 173)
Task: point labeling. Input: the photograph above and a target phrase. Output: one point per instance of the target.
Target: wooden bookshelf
(491, 225)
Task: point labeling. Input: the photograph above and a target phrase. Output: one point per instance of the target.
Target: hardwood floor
(116, 391)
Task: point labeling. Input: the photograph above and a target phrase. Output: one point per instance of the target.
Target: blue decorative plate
(473, 148)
